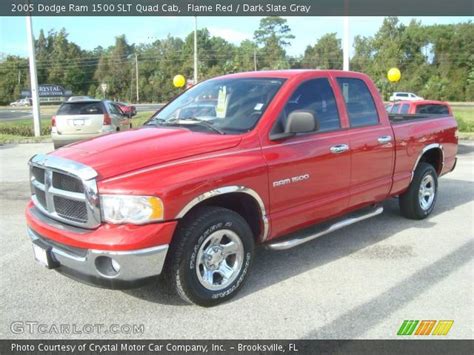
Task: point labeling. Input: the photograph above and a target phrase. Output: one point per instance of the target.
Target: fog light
(115, 265)
(107, 266)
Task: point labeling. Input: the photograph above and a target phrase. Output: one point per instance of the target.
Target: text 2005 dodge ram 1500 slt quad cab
(275, 158)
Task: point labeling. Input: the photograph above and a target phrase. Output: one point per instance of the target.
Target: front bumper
(94, 266)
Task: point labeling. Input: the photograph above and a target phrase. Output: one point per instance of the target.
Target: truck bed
(414, 132)
(401, 118)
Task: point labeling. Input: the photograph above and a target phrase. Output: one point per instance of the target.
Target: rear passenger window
(359, 102)
(80, 108)
(316, 96)
(433, 109)
(405, 108)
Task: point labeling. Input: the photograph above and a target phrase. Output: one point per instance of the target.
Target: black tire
(410, 201)
(182, 267)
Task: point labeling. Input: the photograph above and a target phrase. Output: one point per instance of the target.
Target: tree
(325, 54)
(363, 54)
(114, 68)
(162, 60)
(436, 62)
(244, 56)
(13, 78)
(273, 35)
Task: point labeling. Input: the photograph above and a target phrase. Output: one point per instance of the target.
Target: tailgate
(82, 124)
(80, 117)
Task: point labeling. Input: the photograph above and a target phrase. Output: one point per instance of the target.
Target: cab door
(309, 174)
(371, 139)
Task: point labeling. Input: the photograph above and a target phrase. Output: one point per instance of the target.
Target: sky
(90, 32)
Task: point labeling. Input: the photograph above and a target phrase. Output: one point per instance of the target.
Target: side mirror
(299, 121)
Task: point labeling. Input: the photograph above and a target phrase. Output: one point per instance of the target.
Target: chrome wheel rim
(219, 260)
(427, 192)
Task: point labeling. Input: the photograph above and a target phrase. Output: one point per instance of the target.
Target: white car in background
(79, 120)
(405, 96)
(21, 103)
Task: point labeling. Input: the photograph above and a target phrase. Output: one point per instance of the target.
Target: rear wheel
(210, 256)
(419, 200)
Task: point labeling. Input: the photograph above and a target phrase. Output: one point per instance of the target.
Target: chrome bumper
(95, 267)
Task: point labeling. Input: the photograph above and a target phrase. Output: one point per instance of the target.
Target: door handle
(385, 139)
(339, 148)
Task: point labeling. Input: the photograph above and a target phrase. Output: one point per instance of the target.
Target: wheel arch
(432, 154)
(241, 199)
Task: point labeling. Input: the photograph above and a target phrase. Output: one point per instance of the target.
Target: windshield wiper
(192, 120)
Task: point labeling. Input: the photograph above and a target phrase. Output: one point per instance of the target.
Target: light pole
(195, 52)
(136, 78)
(346, 45)
(136, 74)
(255, 59)
(33, 77)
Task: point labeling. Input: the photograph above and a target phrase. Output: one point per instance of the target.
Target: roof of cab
(283, 74)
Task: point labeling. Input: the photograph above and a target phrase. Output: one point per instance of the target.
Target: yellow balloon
(394, 75)
(179, 81)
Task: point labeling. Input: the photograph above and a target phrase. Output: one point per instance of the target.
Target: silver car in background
(78, 120)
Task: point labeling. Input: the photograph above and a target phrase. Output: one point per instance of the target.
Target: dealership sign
(49, 90)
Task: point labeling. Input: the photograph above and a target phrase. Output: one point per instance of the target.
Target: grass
(465, 118)
(13, 138)
(20, 131)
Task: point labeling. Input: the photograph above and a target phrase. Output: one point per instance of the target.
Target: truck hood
(119, 153)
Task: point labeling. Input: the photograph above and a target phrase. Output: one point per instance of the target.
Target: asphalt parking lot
(359, 282)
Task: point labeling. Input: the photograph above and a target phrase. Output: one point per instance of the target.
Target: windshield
(220, 105)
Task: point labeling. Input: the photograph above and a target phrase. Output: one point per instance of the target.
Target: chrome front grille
(67, 183)
(38, 174)
(65, 190)
(74, 210)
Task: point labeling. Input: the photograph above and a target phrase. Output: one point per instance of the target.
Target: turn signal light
(53, 121)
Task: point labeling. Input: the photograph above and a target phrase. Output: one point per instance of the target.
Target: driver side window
(314, 95)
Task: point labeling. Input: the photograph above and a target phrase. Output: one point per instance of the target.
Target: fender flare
(228, 190)
(426, 149)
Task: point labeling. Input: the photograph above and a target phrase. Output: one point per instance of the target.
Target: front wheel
(210, 256)
(419, 200)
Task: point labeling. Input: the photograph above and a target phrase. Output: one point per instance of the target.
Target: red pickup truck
(431, 107)
(275, 158)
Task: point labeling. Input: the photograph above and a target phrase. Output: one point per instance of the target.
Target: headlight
(119, 209)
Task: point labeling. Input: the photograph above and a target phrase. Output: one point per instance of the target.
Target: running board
(310, 234)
